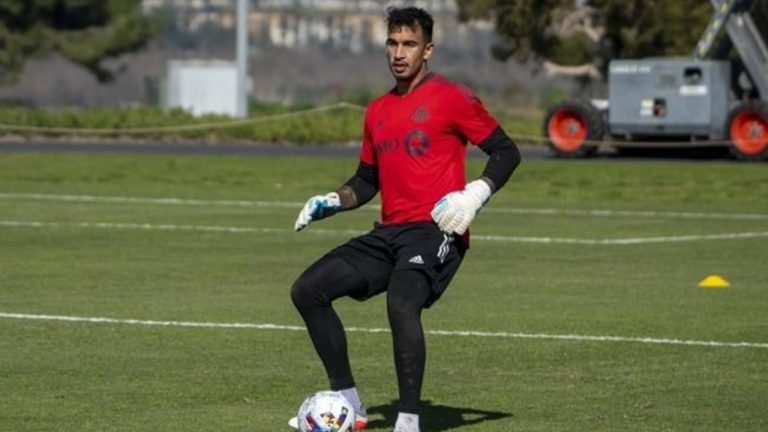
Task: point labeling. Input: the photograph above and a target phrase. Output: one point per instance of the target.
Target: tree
(579, 38)
(86, 32)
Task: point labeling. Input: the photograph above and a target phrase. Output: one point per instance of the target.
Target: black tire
(573, 129)
(747, 128)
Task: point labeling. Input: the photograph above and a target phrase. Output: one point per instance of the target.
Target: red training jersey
(418, 144)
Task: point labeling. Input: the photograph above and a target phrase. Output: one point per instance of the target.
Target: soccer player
(413, 153)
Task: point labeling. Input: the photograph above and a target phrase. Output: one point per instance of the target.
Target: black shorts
(420, 245)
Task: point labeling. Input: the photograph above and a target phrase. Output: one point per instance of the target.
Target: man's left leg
(407, 294)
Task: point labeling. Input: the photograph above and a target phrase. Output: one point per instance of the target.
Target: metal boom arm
(743, 32)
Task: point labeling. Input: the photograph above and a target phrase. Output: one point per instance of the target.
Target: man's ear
(428, 50)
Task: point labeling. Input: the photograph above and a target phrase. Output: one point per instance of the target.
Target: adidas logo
(416, 260)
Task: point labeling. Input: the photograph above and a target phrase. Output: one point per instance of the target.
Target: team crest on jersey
(417, 143)
(420, 115)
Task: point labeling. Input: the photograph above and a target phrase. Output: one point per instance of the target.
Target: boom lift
(706, 98)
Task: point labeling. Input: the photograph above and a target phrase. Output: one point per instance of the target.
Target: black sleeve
(503, 158)
(365, 183)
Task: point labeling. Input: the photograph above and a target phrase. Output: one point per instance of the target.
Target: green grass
(302, 124)
(81, 376)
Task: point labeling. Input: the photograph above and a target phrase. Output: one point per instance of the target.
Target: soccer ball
(326, 411)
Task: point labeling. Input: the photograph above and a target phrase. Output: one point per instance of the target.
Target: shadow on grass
(435, 418)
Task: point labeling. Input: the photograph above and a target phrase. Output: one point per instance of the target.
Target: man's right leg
(323, 282)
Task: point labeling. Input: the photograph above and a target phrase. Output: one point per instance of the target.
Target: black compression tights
(408, 290)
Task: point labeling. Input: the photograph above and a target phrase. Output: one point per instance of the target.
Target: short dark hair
(411, 16)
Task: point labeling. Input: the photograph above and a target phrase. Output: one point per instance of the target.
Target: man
(413, 153)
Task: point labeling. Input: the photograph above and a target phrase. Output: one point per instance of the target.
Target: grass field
(302, 124)
(577, 308)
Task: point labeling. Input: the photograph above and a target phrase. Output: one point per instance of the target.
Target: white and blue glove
(455, 211)
(318, 207)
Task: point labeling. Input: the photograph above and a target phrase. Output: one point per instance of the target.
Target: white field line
(465, 333)
(290, 204)
(166, 227)
(506, 239)
(624, 241)
(140, 200)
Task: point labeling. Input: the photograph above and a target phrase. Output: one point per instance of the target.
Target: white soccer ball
(326, 411)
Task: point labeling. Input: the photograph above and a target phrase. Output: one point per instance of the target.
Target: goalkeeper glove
(455, 211)
(318, 207)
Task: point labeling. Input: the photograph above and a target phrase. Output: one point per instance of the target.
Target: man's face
(407, 51)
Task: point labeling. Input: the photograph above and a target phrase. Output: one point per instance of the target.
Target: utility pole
(242, 58)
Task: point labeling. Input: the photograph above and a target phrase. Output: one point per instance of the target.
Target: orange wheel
(749, 132)
(748, 129)
(573, 129)
(567, 130)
